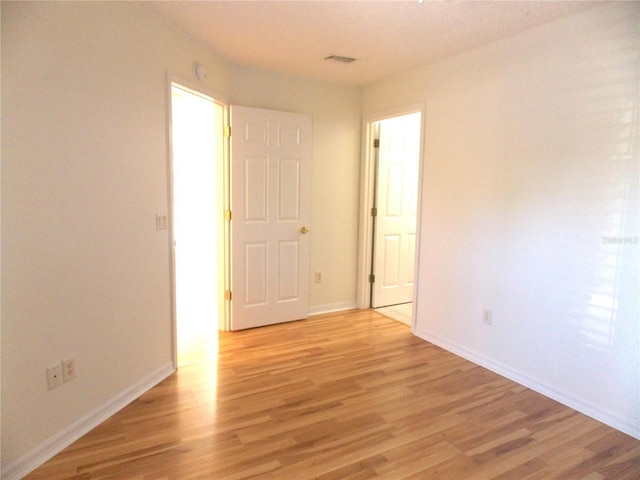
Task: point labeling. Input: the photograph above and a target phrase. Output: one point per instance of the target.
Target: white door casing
(271, 208)
(397, 204)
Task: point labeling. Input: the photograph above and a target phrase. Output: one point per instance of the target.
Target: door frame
(367, 200)
(223, 199)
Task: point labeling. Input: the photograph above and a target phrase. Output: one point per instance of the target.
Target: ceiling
(385, 37)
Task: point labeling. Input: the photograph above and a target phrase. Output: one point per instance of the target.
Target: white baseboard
(625, 425)
(55, 444)
(331, 307)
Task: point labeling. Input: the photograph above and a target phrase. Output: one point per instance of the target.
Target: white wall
(336, 149)
(531, 166)
(84, 171)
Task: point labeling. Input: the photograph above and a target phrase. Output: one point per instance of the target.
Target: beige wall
(84, 171)
(530, 172)
(84, 159)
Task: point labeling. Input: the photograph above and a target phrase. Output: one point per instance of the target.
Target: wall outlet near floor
(318, 277)
(68, 369)
(162, 221)
(54, 376)
(487, 316)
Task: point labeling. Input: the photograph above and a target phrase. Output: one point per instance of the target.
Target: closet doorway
(197, 123)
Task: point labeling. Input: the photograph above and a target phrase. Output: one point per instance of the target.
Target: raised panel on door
(270, 179)
(390, 277)
(256, 188)
(256, 256)
(289, 190)
(288, 270)
(392, 205)
(255, 133)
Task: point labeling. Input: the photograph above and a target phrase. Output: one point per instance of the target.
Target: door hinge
(227, 131)
(372, 278)
(227, 214)
(374, 212)
(228, 295)
(376, 143)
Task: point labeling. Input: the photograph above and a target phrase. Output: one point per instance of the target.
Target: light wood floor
(346, 396)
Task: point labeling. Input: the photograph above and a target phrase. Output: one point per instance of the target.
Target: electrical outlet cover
(487, 316)
(69, 369)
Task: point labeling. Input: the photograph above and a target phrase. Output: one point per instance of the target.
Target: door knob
(304, 230)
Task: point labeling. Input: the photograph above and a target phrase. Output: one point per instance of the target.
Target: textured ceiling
(386, 37)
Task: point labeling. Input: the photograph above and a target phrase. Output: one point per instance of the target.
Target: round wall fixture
(199, 71)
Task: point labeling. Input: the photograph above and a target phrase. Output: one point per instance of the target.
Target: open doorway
(197, 153)
(389, 230)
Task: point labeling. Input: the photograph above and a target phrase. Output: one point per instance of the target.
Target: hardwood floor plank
(528, 469)
(624, 467)
(363, 470)
(352, 395)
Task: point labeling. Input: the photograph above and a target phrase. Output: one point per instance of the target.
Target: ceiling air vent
(339, 58)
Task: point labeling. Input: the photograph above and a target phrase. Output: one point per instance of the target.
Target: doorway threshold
(402, 313)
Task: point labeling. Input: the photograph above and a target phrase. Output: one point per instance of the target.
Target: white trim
(626, 425)
(172, 240)
(331, 307)
(196, 86)
(58, 442)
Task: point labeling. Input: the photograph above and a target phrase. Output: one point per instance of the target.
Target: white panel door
(271, 210)
(397, 204)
